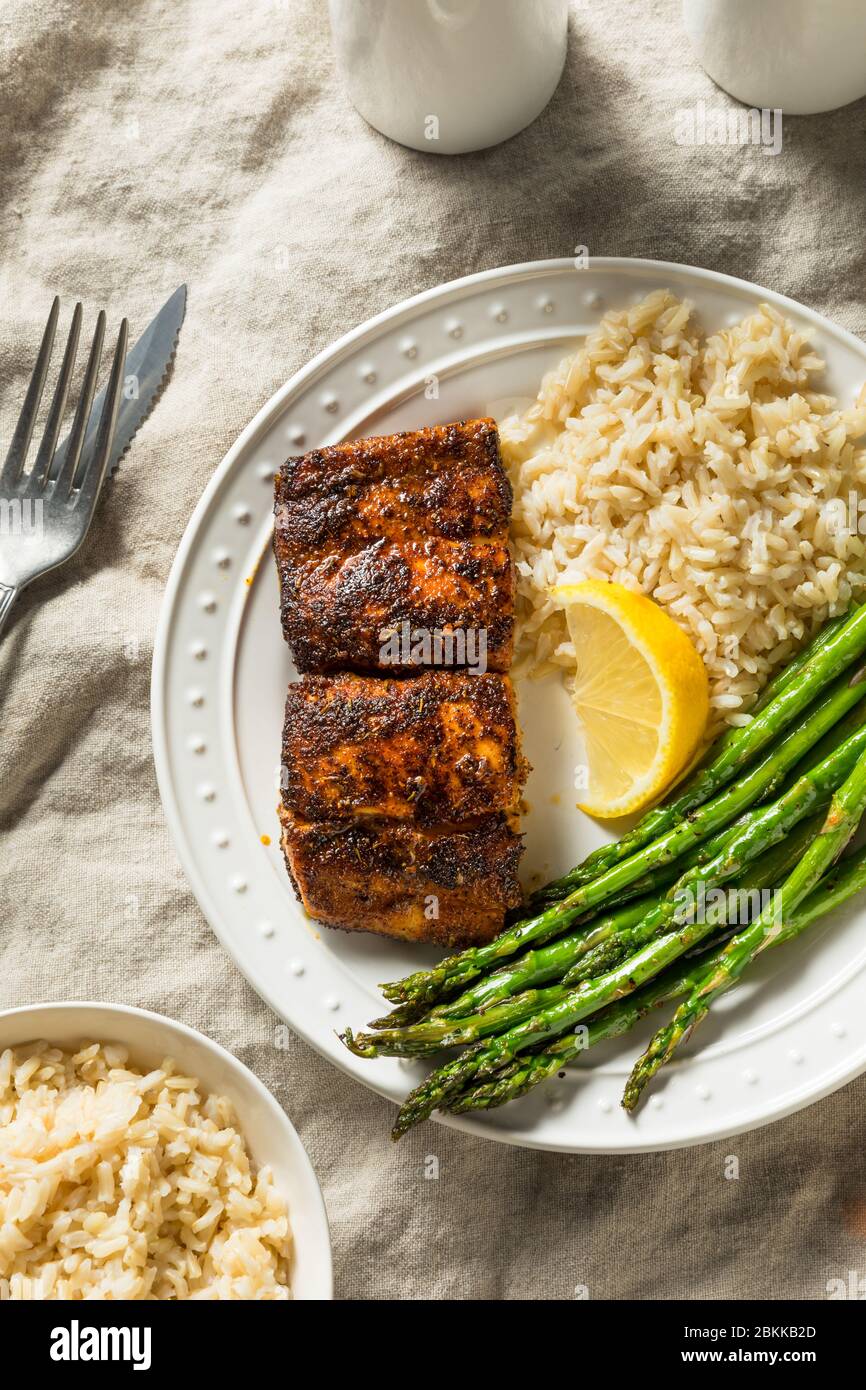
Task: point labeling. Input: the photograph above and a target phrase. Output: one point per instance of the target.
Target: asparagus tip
(392, 992)
(407, 1116)
(360, 1045)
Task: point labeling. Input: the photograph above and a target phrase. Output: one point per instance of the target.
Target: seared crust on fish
(443, 746)
(450, 885)
(445, 481)
(406, 528)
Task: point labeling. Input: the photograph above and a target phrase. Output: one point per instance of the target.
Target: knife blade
(144, 372)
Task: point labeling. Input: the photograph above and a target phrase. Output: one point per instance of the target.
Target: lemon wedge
(640, 692)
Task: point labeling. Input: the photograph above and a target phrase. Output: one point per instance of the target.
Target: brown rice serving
(121, 1184)
(710, 474)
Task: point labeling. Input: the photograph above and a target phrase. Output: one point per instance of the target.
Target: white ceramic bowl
(269, 1133)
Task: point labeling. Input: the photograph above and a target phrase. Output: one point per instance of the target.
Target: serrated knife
(145, 369)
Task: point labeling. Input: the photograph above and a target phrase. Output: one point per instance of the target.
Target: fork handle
(7, 598)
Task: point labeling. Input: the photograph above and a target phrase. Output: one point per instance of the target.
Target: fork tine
(24, 429)
(82, 410)
(58, 405)
(94, 469)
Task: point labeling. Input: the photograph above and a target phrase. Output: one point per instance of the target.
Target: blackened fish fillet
(444, 746)
(405, 528)
(450, 885)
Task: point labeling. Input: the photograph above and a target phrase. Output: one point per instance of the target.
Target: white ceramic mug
(448, 76)
(799, 56)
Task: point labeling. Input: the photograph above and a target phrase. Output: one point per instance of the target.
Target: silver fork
(46, 513)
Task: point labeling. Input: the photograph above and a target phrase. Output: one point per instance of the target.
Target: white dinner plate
(792, 1032)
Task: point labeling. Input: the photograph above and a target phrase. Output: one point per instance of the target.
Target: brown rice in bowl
(117, 1183)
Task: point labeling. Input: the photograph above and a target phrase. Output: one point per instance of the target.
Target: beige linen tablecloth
(148, 142)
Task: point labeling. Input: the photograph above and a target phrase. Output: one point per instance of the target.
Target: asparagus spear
(436, 1033)
(838, 644)
(455, 972)
(786, 673)
(536, 966)
(557, 959)
(775, 863)
(768, 824)
(623, 909)
(846, 809)
(835, 888)
(485, 1058)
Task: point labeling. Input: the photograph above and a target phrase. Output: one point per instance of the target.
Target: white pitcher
(447, 76)
(801, 56)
